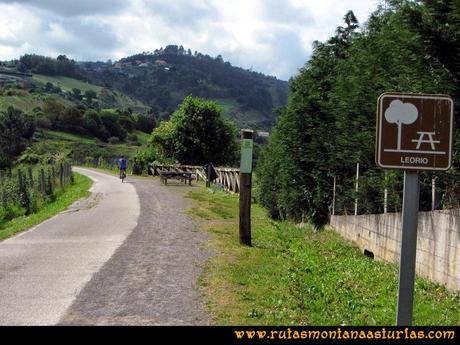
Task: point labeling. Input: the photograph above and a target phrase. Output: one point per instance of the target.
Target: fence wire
(381, 191)
(24, 190)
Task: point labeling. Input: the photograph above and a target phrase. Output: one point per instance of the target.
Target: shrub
(10, 211)
(114, 140)
(44, 122)
(132, 137)
(29, 157)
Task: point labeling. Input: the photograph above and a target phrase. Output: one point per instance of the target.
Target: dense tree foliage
(196, 134)
(329, 123)
(49, 66)
(16, 130)
(100, 123)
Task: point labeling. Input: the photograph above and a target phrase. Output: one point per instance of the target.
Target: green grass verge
(64, 198)
(295, 276)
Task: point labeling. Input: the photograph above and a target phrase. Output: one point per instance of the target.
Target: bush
(29, 157)
(2, 215)
(142, 159)
(132, 137)
(16, 130)
(114, 140)
(10, 211)
(44, 122)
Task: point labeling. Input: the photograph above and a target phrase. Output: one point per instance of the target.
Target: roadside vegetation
(62, 198)
(329, 123)
(295, 276)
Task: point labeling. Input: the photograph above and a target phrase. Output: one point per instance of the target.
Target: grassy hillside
(107, 97)
(66, 83)
(26, 101)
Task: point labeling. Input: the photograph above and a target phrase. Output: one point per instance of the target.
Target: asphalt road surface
(128, 255)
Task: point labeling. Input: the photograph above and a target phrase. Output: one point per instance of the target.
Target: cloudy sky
(269, 36)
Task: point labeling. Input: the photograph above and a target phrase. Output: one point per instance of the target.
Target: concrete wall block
(438, 241)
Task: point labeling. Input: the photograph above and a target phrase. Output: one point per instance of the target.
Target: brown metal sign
(414, 132)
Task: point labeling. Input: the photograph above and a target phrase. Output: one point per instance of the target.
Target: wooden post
(31, 177)
(356, 189)
(20, 180)
(333, 197)
(2, 177)
(245, 187)
(208, 176)
(42, 181)
(50, 182)
(61, 175)
(23, 197)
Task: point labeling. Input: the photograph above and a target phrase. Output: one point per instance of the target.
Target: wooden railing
(228, 178)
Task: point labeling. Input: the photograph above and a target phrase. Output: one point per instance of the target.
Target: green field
(295, 276)
(27, 102)
(64, 136)
(142, 137)
(66, 83)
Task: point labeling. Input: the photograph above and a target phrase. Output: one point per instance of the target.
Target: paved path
(133, 258)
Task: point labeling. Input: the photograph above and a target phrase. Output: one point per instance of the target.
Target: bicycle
(122, 175)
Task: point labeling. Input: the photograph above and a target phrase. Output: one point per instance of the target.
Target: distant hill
(163, 78)
(148, 82)
(31, 90)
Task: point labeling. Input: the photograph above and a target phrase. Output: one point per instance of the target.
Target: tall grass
(25, 190)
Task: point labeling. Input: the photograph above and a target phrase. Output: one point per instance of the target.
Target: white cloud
(271, 36)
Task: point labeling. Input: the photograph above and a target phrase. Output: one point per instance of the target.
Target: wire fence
(378, 191)
(24, 190)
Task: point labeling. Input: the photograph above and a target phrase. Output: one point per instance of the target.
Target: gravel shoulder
(151, 279)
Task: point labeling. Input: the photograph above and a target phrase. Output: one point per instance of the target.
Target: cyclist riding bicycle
(122, 164)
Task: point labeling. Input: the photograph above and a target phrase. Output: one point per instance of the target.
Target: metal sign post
(414, 132)
(408, 248)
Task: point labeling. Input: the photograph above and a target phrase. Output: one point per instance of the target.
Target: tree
(90, 95)
(329, 123)
(197, 134)
(53, 109)
(111, 122)
(77, 93)
(145, 122)
(16, 130)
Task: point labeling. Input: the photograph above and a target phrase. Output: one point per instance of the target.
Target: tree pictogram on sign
(414, 131)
